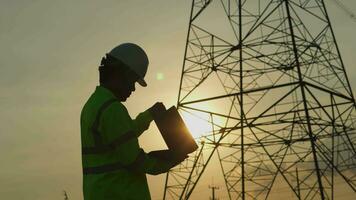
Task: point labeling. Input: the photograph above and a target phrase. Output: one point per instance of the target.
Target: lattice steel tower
(268, 77)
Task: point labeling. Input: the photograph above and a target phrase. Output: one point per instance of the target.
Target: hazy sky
(50, 51)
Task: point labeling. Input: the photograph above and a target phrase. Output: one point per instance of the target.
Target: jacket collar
(102, 91)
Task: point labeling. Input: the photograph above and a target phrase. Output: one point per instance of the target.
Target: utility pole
(213, 188)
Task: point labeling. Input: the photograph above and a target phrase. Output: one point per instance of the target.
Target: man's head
(122, 67)
(117, 77)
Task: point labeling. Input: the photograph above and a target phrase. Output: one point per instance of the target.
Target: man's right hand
(168, 155)
(157, 110)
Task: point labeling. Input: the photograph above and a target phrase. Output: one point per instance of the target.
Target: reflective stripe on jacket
(114, 165)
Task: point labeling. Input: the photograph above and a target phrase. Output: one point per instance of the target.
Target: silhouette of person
(114, 165)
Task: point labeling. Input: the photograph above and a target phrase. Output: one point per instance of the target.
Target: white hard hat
(133, 57)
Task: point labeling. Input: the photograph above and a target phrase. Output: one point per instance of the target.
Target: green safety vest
(114, 165)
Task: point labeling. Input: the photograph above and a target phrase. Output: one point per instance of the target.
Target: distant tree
(65, 195)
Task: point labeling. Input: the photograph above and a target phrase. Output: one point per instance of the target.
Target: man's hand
(179, 158)
(168, 155)
(157, 110)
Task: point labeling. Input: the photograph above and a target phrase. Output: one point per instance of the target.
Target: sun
(198, 123)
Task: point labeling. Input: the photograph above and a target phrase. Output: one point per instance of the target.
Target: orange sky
(50, 51)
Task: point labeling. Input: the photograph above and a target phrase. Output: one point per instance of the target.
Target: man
(114, 165)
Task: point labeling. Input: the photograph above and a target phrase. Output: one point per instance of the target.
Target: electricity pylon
(268, 77)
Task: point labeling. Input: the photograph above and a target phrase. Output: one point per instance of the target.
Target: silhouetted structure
(213, 188)
(268, 76)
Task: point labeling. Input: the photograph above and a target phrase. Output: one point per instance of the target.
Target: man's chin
(122, 99)
(125, 98)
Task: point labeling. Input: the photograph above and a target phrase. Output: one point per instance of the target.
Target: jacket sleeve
(151, 165)
(142, 122)
(115, 123)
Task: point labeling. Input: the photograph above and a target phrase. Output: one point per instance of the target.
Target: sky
(50, 51)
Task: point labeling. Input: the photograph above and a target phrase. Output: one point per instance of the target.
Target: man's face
(124, 84)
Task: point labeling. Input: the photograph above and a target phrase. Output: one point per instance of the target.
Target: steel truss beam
(268, 77)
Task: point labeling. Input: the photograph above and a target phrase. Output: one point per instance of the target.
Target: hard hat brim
(142, 82)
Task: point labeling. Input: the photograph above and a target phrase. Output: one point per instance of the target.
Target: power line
(345, 9)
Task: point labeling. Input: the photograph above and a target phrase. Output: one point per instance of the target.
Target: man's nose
(133, 88)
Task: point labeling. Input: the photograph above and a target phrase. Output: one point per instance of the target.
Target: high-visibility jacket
(114, 165)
